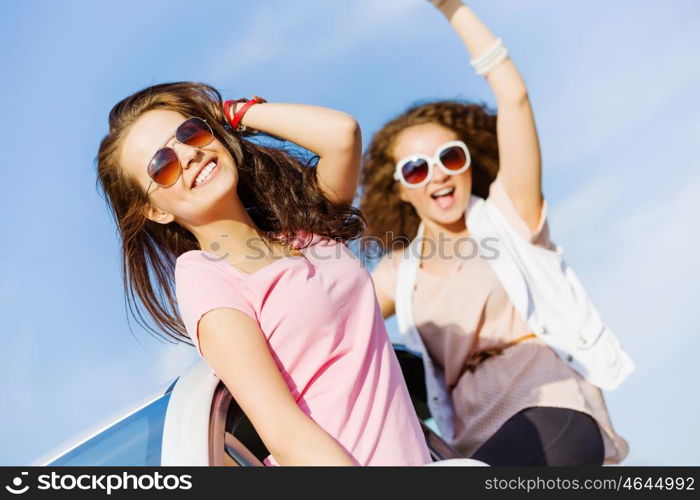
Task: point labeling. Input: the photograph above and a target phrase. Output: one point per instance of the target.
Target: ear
(156, 214)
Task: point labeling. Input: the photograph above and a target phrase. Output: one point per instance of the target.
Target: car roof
(89, 433)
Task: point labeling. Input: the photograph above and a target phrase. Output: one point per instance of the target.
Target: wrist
(447, 7)
(236, 109)
(230, 108)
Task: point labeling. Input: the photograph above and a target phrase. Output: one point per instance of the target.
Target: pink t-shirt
(321, 318)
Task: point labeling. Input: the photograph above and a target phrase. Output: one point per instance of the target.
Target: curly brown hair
(389, 219)
(278, 187)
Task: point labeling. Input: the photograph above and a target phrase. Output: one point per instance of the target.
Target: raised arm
(333, 135)
(235, 347)
(519, 150)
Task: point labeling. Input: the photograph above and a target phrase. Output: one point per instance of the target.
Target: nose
(186, 153)
(438, 175)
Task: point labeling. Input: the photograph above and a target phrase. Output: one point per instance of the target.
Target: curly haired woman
(514, 400)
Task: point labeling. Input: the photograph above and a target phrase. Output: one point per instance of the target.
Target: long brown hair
(278, 187)
(391, 220)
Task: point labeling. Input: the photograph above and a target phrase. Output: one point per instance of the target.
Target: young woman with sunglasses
(512, 400)
(241, 246)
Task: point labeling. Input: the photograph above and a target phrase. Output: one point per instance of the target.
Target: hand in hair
(333, 135)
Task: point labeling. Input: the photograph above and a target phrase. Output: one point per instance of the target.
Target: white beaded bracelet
(489, 53)
(490, 59)
(498, 59)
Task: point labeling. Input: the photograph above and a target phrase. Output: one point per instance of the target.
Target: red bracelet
(227, 105)
(236, 120)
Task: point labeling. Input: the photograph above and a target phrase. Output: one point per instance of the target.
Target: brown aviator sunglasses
(165, 166)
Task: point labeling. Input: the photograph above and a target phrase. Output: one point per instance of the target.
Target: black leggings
(545, 435)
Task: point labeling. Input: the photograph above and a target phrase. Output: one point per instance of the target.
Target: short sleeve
(385, 274)
(499, 197)
(201, 286)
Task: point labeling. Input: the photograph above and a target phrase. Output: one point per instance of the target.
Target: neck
(444, 237)
(453, 230)
(233, 237)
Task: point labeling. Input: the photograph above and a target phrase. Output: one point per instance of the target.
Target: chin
(447, 217)
(446, 220)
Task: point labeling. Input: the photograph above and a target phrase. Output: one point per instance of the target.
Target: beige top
(469, 310)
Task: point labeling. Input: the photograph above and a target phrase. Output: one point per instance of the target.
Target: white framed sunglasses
(415, 171)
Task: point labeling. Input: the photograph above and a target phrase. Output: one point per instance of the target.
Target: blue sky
(614, 88)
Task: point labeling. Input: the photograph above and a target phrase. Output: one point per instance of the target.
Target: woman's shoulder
(196, 266)
(390, 261)
(498, 196)
(193, 268)
(385, 272)
(196, 258)
(202, 274)
(189, 257)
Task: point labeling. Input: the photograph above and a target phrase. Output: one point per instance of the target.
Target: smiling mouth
(204, 174)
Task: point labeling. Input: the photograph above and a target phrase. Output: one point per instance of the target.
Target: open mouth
(207, 172)
(444, 198)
